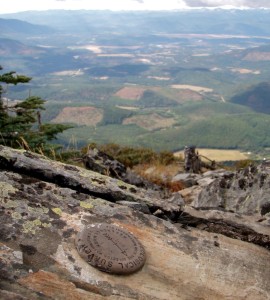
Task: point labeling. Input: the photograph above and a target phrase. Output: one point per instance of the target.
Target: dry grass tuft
(160, 174)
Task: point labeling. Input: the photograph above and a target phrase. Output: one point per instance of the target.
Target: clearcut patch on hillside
(85, 115)
(194, 88)
(186, 95)
(257, 56)
(131, 93)
(180, 94)
(150, 122)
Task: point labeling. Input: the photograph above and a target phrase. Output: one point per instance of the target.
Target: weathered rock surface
(189, 253)
(245, 192)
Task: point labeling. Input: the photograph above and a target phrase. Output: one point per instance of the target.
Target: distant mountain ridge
(15, 26)
(193, 21)
(10, 47)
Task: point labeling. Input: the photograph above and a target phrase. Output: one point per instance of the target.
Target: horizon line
(144, 10)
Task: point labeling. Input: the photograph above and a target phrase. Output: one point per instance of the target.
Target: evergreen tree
(20, 123)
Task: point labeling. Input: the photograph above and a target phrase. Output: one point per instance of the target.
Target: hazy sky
(23, 5)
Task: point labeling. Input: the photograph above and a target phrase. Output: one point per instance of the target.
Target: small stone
(110, 248)
(216, 244)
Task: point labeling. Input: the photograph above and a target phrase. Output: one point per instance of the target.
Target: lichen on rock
(207, 253)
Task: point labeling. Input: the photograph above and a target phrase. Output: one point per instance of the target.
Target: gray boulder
(245, 192)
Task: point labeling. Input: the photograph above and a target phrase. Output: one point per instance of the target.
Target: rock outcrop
(103, 163)
(243, 192)
(190, 253)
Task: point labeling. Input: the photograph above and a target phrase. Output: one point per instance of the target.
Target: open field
(220, 155)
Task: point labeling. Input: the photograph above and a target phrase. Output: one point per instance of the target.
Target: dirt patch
(131, 93)
(86, 115)
(128, 107)
(150, 122)
(192, 88)
(245, 71)
(93, 48)
(116, 55)
(159, 78)
(69, 73)
(201, 55)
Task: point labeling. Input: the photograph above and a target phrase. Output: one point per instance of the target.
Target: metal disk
(110, 248)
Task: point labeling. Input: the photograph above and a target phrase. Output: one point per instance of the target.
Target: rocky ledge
(209, 241)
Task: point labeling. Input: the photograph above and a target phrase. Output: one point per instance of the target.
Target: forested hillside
(153, 79)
